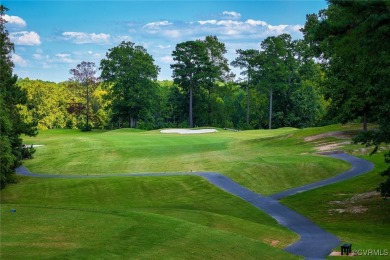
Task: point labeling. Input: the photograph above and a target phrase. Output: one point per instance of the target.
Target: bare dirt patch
(325, 145)
(335, 253)
(337, 134)
(330, 146)
(352, 205)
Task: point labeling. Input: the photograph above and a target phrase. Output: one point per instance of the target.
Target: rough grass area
(181, 217)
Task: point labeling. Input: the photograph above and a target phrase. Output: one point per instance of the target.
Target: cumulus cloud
(14, 20)
(230, 26)
(25, 38)
(161, 23)
(156, 25)
(208, 22)
(18, 60)
(231, 14)
(244, 29)
(85, 38)
(64, 57)
(256, 22)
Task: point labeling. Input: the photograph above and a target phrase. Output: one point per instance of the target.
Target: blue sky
(51, 37)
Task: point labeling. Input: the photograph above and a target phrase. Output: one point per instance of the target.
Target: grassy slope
(180, 217)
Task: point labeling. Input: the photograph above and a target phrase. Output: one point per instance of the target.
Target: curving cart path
(314, 242)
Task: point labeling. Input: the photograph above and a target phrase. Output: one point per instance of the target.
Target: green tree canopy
(199, 66)
(129, 74)
(352, 38)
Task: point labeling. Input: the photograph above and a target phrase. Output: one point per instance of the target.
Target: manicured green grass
(262, 160)
(180, 217)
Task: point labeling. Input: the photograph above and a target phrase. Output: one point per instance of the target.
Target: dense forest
(338, 72)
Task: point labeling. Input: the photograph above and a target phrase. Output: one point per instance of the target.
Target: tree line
(280, 85)
(338, 72)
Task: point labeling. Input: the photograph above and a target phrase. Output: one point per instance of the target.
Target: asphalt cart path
(359, 166)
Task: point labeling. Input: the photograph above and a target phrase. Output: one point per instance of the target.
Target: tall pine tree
(11, 123)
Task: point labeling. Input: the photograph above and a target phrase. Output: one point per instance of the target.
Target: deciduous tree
(353, 39)
(84, 75)
(130, 73)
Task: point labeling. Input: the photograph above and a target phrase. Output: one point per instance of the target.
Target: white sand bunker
(33, 145)
(187, 131)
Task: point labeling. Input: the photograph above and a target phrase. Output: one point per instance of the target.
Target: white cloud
(14, 20)
(256, 22)
(25, 38)
(296, 28)
(156, 25)
(229, 23)
(64, 57)
(84, 38)
(18, 60)
(243, 29)
(232, 14)
(207, 22)
(278, 28)
(230, 27)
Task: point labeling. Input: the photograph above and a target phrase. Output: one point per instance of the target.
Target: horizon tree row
(280, 86)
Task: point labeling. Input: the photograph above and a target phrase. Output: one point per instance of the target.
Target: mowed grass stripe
(141, 217)
(64, 234)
